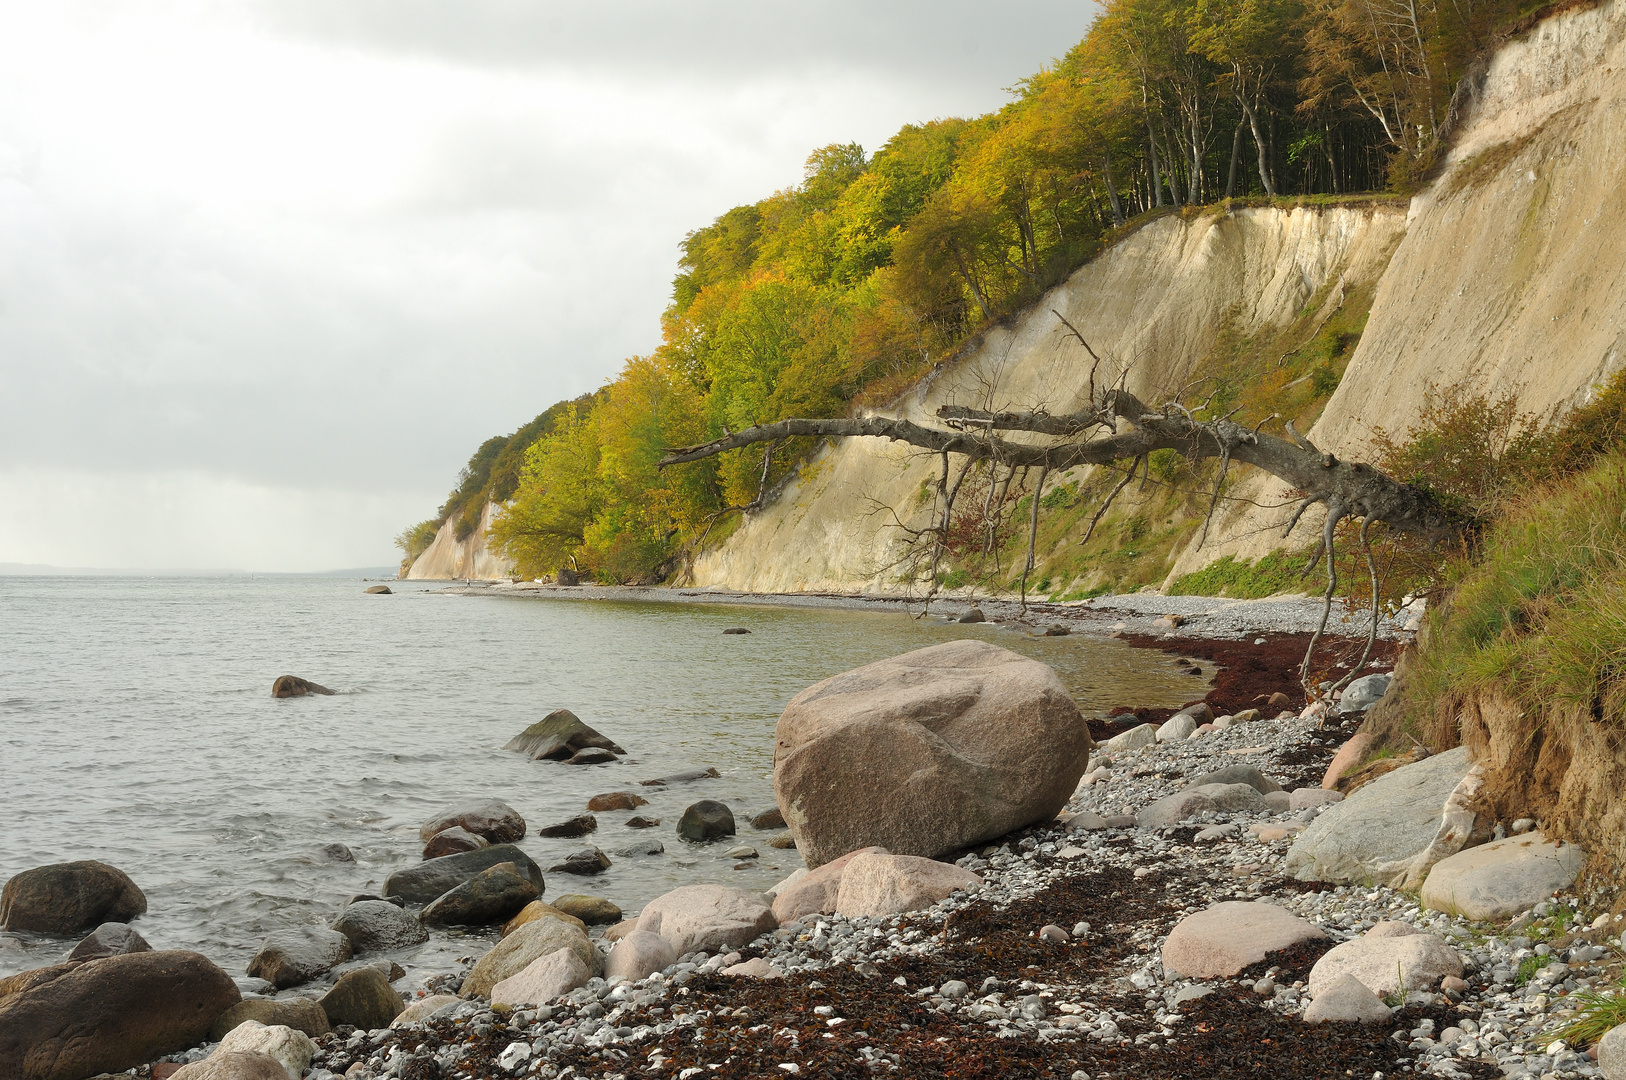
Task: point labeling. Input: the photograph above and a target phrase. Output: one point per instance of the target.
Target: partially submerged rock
(580, 825)
(708, 917)
(298, 955)
(494, 895)
(492, 819)
(682, 777)
(1503, 878)
(109, 939)
(927, 753)
(379, 926)
(111, 1014)
(616, 800)
(586, 862)
(1222, 940)
(706, 820)
(287, 686)
(558, 736)
(428, 880)
(453, 841)
(64, 899)
(1393, 830)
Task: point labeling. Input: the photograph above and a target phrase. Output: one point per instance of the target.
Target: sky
(270, 270)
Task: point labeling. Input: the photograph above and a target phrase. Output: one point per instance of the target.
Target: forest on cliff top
(839, 292)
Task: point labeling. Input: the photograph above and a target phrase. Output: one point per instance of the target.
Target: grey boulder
(290, 957)
(492, 819)
(1226, 798)
(706, 820)
(379, 926)
(1393, 830)
(433, 878)
(109, 939)
(1364, 693)
(452, 841)
(1503, 878)
(1136, 738)
(560, 735)
(494, 895)
(1238, 774)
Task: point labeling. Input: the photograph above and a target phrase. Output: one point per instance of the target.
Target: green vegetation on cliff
(841, 291)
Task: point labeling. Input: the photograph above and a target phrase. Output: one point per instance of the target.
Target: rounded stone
(65, 899)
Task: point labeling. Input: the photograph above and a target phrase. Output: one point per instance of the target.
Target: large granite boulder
(492, 896)
(111, 1014)
(290, 957)
(432, 878)
(109, 939)
(514, 953)
(706, 820)
(301, 1014)
(878, 884)
(287, 686)
(714, 918)
(559, 736)
(362, 998)
(1503, 878)
(1393, 830)
(1220, 941)
(927, 753)
(69, 898)
(379, 926)
(498, 822)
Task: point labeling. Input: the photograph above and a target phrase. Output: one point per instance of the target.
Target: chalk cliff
(1506, 271)
(448, 557)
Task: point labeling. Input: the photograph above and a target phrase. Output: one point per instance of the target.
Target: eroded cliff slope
(448, 557)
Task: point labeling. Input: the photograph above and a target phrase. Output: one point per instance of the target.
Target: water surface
(137, 727)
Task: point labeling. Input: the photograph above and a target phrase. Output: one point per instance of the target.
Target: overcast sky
(270, 271)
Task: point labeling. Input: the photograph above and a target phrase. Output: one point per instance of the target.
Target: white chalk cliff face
(1505, 272)
(448, 558)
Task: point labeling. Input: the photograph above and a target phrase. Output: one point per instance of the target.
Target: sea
(137, 728)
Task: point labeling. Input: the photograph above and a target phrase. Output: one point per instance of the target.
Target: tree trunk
(1258, 144)
(1112, 191)
(1236, 154)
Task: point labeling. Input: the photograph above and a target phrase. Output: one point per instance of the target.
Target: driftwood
(1122, 428)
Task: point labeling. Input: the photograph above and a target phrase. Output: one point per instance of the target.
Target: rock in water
(111, 1014)
(769, 819)
(592, 910)
(452, 841)
(338, 852)
(294, 686)
(616, 800)
(362, 998)
(590, 756)
(580, 825)
(639, 821)
(707, 917)
(301, 1014)
(429, 880)
(378, 590)
(65, 899)
(681, 777)
(558, 735)
(927, 753)
(706, 820)
(496, 821)
(492, 896)
(975, 615)
(291, 957)
(585, 862)
(514, 953)
(379, 926)
(109, 939)
(1503, 878)
(736, 630)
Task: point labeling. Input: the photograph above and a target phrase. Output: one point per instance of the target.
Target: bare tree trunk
(1236, 154)
(1112, 190)
(1258, 144)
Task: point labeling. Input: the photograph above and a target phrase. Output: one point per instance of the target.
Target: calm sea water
(137, 727)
